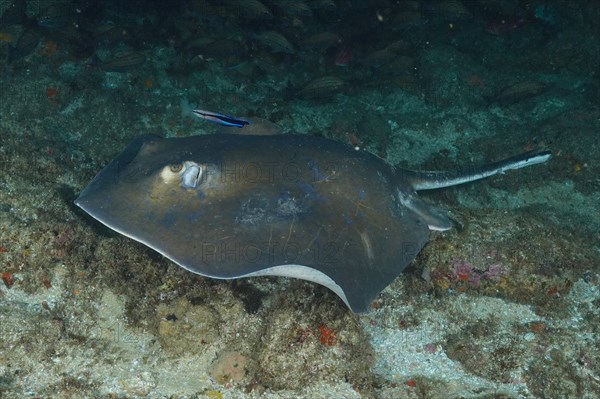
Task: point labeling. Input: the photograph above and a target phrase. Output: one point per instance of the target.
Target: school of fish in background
(320, 47)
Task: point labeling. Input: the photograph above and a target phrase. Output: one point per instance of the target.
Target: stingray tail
(428, 180)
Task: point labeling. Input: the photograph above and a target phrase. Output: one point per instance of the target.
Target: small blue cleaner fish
(220, 118)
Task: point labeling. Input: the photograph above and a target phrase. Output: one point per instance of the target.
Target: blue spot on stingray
(169, 219)
(194, 216)
(285, 195)
(149, 215)
(347, 219)
(314, 166)
(362, 195)
(309, 191)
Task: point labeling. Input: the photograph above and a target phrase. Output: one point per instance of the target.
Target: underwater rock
(229, 367)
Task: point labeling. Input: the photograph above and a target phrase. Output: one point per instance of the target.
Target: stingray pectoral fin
(434, 217)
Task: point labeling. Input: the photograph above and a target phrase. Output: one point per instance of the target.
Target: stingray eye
(176, 168)
(191, 176)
